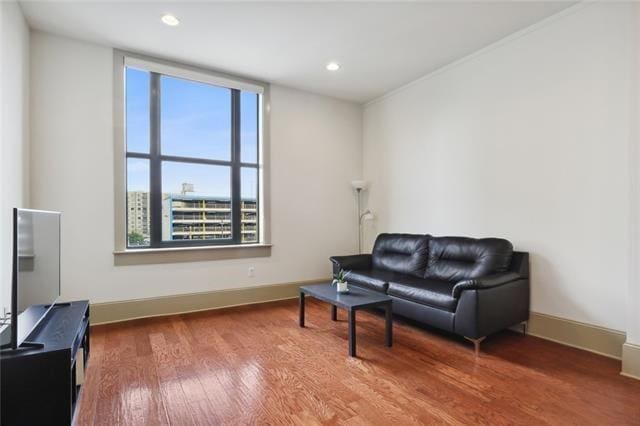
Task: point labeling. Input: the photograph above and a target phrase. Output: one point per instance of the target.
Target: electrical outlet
(251, 272)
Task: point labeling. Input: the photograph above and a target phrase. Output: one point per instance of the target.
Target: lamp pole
(359, 185)
(359, 223)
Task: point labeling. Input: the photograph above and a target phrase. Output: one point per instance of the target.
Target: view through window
(192, 162)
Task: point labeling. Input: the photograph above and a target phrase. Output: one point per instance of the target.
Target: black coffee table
(355, 299)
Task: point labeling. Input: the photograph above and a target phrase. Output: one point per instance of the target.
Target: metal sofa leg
(524, 327)
(476, 343)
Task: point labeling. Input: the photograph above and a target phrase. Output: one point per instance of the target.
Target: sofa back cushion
(402, 253)
(459, 258)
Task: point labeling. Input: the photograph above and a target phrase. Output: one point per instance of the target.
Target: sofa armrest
(484, 282)
(348, 263)
(486, 310)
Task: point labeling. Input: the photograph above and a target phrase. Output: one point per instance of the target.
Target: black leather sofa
(471, 287)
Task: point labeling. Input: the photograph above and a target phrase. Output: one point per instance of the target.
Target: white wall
(527, 140)
(633, 294)
(315, 153)
(14, 131)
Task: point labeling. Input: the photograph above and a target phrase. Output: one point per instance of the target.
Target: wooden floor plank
(254, 365)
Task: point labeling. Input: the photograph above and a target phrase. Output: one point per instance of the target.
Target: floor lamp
(359, 186)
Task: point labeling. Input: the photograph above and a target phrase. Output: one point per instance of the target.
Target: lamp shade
(359, 184)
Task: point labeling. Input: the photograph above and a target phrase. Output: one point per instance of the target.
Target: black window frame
(156, 158)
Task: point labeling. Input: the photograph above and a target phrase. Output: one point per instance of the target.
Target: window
(192, 148)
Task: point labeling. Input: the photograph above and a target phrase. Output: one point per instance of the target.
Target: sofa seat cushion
(430, 292)
(372, 279)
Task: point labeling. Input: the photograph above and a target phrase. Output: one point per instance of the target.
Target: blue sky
(195, 122)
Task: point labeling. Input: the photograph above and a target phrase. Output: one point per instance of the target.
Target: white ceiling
(380, 46)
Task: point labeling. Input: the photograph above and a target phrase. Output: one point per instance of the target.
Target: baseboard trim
(631, 360)
(126, 310)
(588, 337)
(599, 340)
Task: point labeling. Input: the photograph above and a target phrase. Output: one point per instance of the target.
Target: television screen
(37, 260)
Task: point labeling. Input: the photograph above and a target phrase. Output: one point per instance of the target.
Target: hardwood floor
(253, 364)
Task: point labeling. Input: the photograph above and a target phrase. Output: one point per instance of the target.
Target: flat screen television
(35, 285)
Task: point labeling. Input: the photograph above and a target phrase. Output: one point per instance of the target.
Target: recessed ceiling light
(333, 66)
(170, 20)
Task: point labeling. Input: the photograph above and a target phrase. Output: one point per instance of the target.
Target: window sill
(189, 254)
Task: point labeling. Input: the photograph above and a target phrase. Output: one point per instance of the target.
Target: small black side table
(355, 299)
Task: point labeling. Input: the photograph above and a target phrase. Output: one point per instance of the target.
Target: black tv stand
(39, 380)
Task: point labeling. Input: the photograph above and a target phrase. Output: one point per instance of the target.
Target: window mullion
(258, 159)
(137, 155)
(236, 215)
(193, 160)
(155, 166)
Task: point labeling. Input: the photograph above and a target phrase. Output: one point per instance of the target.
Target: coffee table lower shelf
(353, 301)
